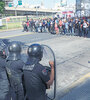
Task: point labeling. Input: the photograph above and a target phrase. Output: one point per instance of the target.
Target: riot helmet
(35, 51)
(14, 50)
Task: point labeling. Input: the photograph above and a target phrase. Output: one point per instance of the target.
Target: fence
(15, 22)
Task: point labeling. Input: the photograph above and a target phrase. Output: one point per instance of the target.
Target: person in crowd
(55, 25)
(76, 28)
(36, 25)
(66, 26)
(85, 28)
(24, 26)
(63, 27)
(70, 26)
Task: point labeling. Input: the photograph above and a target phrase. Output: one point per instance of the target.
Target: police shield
(3, 47)
(24, 55)
(48, 55)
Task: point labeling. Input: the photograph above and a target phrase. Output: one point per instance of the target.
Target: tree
(2, 5)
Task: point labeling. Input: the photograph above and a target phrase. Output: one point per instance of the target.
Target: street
(72, 56)
(81, 92)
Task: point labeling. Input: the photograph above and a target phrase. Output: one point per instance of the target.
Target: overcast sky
(47, 3)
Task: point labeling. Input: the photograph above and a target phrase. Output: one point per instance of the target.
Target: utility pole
(36, 11)
(16, 10)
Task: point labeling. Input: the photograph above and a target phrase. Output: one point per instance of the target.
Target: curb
(81, 80)
(74, 84)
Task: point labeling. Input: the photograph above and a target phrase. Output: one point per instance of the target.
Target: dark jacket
(15, 75)
(4, 84)
(35, 76)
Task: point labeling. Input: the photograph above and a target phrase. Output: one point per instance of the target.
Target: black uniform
(35, 76)
(4, 85)
(14, 71)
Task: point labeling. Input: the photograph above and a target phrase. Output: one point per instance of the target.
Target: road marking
(76, 83)
(82, 79)
(16, 35)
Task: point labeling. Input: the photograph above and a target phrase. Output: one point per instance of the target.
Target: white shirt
(85, 25)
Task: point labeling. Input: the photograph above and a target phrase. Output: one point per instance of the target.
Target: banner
(83, 4)
(83, 8)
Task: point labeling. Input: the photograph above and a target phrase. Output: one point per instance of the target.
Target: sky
(47, 3)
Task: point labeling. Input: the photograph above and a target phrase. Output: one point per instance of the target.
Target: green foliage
(2, 5)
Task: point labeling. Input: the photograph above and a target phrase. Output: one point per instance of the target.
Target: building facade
(83, 8)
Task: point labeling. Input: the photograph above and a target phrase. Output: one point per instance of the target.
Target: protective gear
(48, 55)
(4, 85)
(14, 49)
(2, 55)
(15, 75)
(2, 45)
(35, 51)
(2, 52)
(37, 72)
(35, 81)
(14, 71)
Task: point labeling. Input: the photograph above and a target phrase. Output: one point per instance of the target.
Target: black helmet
(14, 49)
(35, 51)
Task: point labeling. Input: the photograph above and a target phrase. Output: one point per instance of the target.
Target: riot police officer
(36, 77)
(14, 71)
(4, 85)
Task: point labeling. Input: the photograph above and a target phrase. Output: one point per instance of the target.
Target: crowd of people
(74, 26)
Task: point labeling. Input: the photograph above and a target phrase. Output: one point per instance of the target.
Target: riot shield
(48, 55)
(3, 46)
(24, 55)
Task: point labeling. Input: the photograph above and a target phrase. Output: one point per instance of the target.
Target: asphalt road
(72, 56)
(27, 37)
(81, 92)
